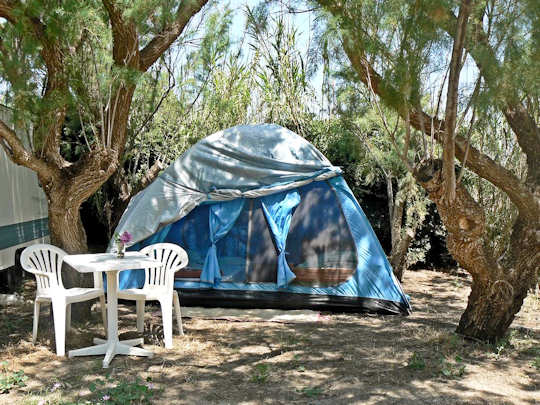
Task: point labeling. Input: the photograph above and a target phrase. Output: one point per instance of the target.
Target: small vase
(120, 249)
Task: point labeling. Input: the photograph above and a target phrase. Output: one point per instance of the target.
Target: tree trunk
(400, 242)
(494, 302)
(67, 232)
(491, 307)
(398, 260)
(497, 292)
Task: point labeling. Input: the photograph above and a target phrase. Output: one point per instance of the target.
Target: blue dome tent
(267, 221)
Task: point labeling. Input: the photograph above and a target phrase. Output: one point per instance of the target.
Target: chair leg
(166, 314)
(103, 312)
(68, 317)
(59, 314)
(36, 321)
(178, 312)
(140, 315)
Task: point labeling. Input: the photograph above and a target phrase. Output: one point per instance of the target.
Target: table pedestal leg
(112, 345)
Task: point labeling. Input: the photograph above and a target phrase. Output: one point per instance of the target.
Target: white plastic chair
(159, 286)
(45, 262)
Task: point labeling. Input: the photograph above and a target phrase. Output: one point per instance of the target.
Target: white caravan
(23, 205)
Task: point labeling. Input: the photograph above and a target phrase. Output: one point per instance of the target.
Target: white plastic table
(112, 265)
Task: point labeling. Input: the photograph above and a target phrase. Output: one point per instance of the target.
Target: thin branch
(392, 134)
(161, 42)
(473, 97)
(150, 116)
(407, 136)
(448, 169)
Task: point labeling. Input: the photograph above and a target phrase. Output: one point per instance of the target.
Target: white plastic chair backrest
(173, 258)
(43, 258)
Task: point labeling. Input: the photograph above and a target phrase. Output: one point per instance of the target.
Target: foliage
(503, 345)
(407, 54)
(69, 70)
(222, 83)
(404, 41)
(536, 363)
(281, 77)
(261, 373)
(10, 379)
(416, 362)
(452, 369)
(312, 392)
(123, 391)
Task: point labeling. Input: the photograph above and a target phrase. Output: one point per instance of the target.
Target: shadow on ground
(341, 359)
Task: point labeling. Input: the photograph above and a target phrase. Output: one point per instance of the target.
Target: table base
(112, 348)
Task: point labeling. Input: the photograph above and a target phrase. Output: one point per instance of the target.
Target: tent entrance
(319, 248)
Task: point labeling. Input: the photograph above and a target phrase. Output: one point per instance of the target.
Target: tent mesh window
(320, 247)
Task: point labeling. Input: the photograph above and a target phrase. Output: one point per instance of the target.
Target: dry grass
(341, 359)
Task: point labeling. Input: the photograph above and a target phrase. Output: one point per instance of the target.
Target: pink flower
(41, 402)
(106, 398)
(125, 237)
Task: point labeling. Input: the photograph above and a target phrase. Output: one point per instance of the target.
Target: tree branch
(149, 176)
(125, 55)
(50, 123)
(478, 162)
(19, 155)
(522, 123)
(448, 169)
(161, 42)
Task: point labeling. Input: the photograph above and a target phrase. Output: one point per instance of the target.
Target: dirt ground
(334, 359)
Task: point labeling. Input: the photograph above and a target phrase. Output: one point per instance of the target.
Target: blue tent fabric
(278, 211)
(241, 240)
(374, 277)
(221, 219)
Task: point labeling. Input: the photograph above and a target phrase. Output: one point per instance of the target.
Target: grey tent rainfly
(267, 221)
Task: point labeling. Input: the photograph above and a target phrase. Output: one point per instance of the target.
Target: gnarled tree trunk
(66, 190)
(497, 292)
(67, 231)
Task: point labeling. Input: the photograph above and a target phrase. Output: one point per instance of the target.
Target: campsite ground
(327, 359)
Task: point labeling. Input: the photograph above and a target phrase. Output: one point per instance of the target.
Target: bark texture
(398, 258)
(497, 292)
(449, 149)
